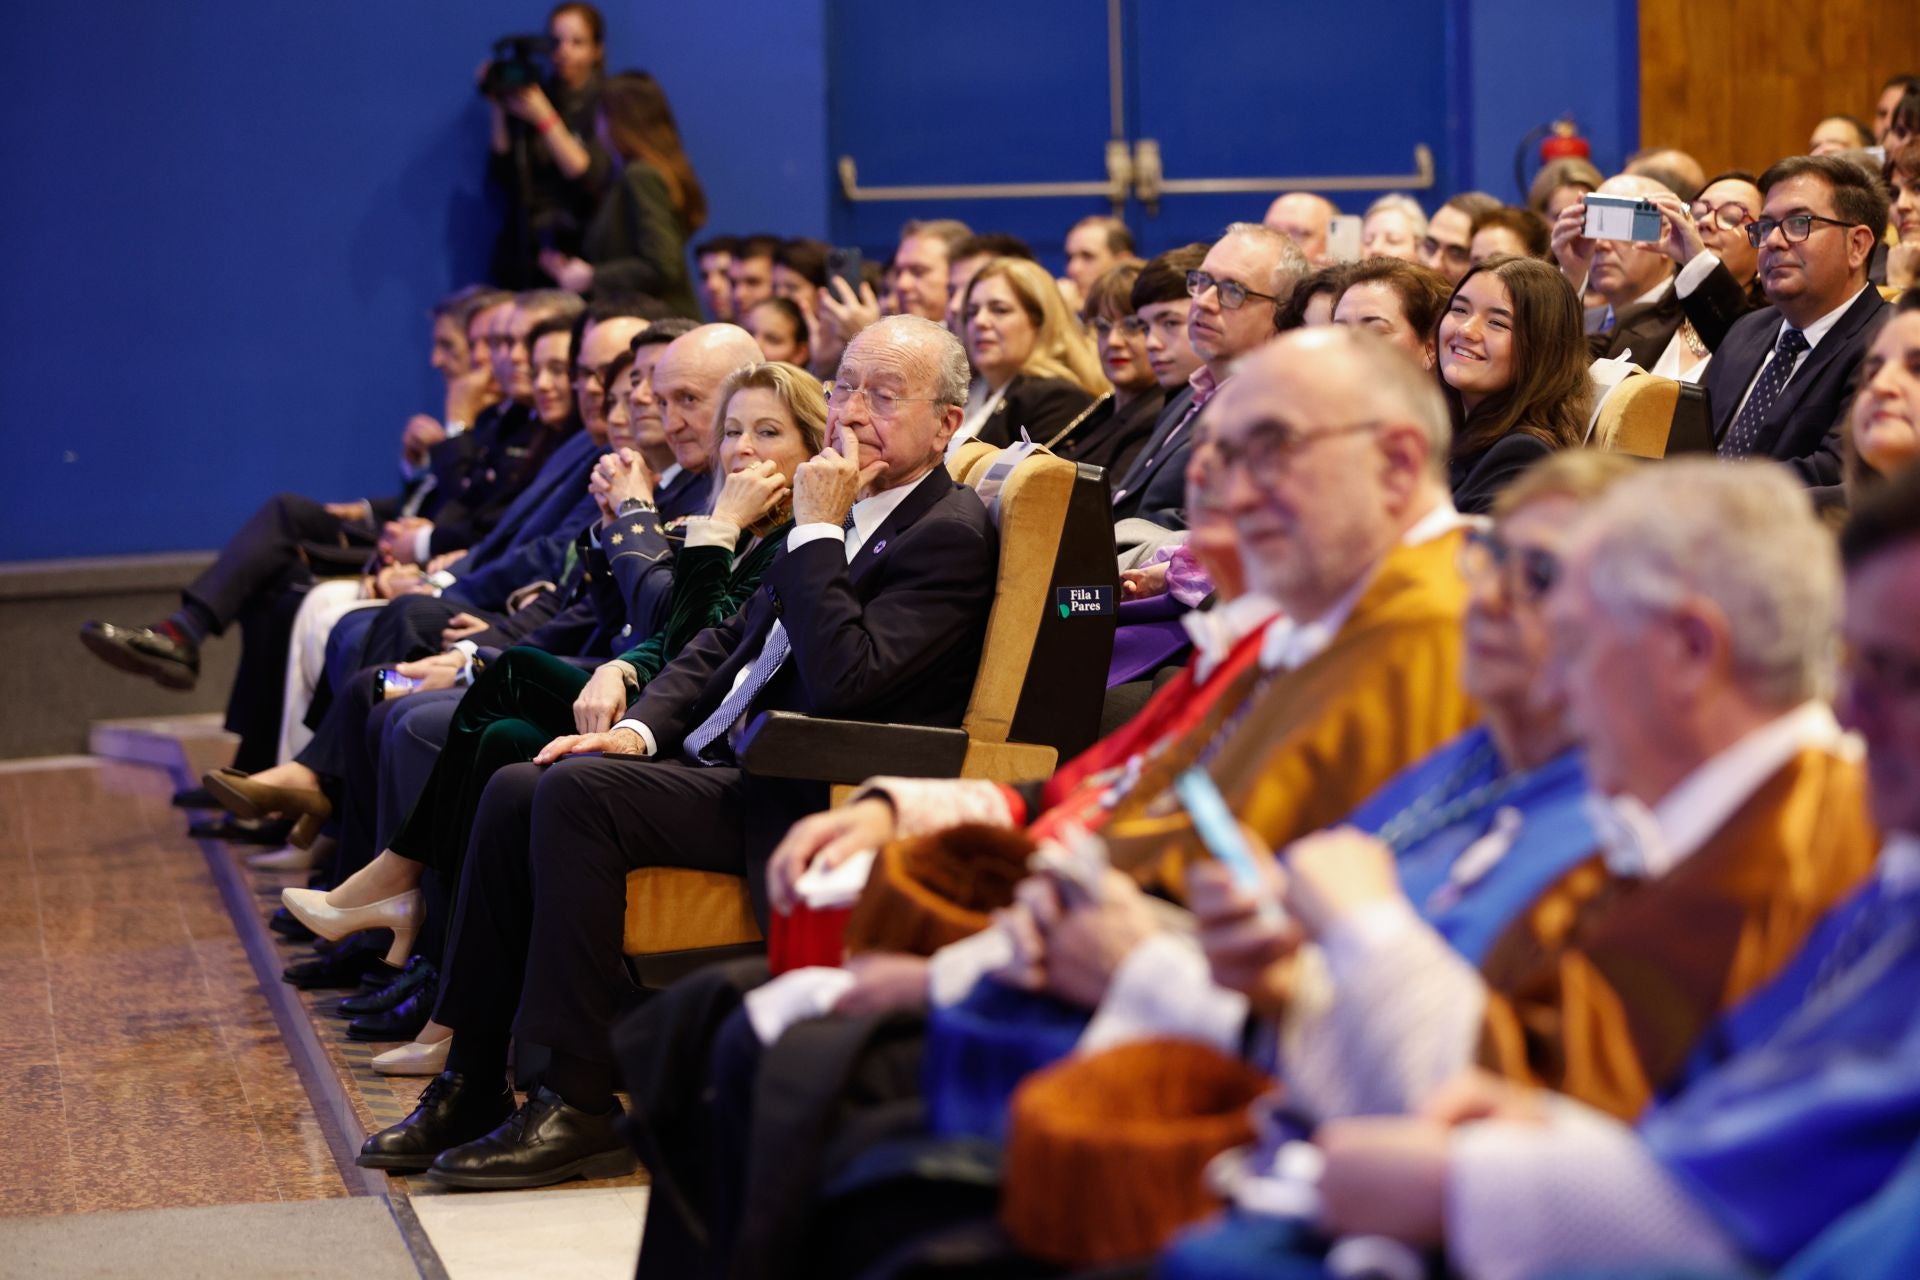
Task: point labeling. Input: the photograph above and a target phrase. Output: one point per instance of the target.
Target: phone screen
(1221, 834)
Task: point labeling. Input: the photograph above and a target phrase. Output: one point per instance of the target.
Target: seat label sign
(1076, 602)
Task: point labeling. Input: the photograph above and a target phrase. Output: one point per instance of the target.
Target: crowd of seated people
(1565, 911)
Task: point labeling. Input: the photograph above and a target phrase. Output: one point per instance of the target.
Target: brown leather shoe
(241, 796)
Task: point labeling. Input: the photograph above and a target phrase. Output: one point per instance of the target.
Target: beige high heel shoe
(414, 1059)
(400, 913)
(241, 796)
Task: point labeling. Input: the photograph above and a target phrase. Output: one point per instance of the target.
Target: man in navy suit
(1779, 385)
(875, 610)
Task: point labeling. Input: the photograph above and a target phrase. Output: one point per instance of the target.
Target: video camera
(516, 64)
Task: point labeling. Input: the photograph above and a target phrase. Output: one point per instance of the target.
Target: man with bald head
(1332, 449)
(1304, 217)
(875, 609)
(1636, 279)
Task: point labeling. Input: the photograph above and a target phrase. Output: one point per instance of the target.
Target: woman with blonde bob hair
(1036, 369)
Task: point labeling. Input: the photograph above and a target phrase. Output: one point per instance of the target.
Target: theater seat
(1036, 699)
(1652, 417)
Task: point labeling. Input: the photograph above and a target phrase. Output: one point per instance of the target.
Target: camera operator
(543, 149)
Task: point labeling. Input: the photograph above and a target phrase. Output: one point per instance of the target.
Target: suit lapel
(1837, 342)
(927, 492)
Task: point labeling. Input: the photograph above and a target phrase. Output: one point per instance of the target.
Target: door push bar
(1138, 173)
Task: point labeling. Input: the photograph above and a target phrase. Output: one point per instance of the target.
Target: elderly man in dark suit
(876, 610)
(1780, 383)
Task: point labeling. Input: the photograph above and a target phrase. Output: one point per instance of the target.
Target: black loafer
(402, 1022)
(144, 652)
(452, 1110)
(194, 798)
(267, 831)
(340, 967)
(544, 1142)
(418, 972)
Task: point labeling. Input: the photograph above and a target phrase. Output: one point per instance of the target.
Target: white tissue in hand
(824, 888)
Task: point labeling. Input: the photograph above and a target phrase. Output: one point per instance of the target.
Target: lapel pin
(879, 546)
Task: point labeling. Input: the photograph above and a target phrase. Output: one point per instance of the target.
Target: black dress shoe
(452, 1110)
(144, 652)
(544, 1142)
(194, 798)
(288, 926)
(418, 972)
(402, 1022)
(267, 831)
(342, 967)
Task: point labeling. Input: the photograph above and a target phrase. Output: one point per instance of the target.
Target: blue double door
(1026, 115)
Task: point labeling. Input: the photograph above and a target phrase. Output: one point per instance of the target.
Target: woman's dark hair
(1551, 394)
(610, 377)
(1112, 294)
(806, 258)
(640, 125)
(1423, 292)
(1906, 113)
(1292, 313)
(596, 26)
(789, 311)
(1164, 278)
(1532, 229)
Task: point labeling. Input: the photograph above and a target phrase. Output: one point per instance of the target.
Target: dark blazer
(1154, 486)
(1477, 478)
(1718, 302)
(1111, 439)
(1042, 406)
(637, 242)
(894, 636)
(1802, 427)
(1644, 330)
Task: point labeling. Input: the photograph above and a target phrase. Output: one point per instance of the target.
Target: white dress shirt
(868, 515)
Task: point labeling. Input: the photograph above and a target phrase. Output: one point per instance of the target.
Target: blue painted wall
(225, 220)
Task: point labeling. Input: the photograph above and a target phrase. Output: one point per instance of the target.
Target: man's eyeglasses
(1795, 229)
(1233, 294)
(1132, 326)
(1728, 217)
(1527, 573)
(1457, 253)
(883, 404)
(1267, 451)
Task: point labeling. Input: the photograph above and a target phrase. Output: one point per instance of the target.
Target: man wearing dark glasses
(1779, 384)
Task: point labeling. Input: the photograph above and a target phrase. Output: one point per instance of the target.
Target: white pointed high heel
(414, 1059)
(287, 859)
(400, 913)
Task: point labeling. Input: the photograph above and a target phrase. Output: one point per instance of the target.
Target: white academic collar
(1649, 842)
(1900, 863)
(1824, 325)
(1216, 631)
(1291, 645)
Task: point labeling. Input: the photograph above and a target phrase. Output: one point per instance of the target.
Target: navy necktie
(1745, 431)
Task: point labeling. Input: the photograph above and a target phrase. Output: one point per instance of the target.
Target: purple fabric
(1149, 636)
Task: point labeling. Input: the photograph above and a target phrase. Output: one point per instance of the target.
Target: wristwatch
(633, 506)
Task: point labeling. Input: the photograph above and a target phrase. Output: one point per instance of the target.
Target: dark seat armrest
(786, 744)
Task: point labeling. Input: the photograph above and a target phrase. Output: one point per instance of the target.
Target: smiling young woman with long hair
(1513, 365)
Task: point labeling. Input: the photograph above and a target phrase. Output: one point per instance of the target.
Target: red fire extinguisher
(1559, 140)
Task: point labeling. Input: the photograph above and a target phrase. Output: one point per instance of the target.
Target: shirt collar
(1642, 841)
(1824, 325)
(1438, 523)
(1216, 631)
(667, 477)
(870, 513)
(1204, 385)
(1652, 295)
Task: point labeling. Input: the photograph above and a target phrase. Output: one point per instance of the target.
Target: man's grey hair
(1400, 203)
(1740, 535)
(1289, 263)
(945, 356)
(549, 303)
(1399, 388)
